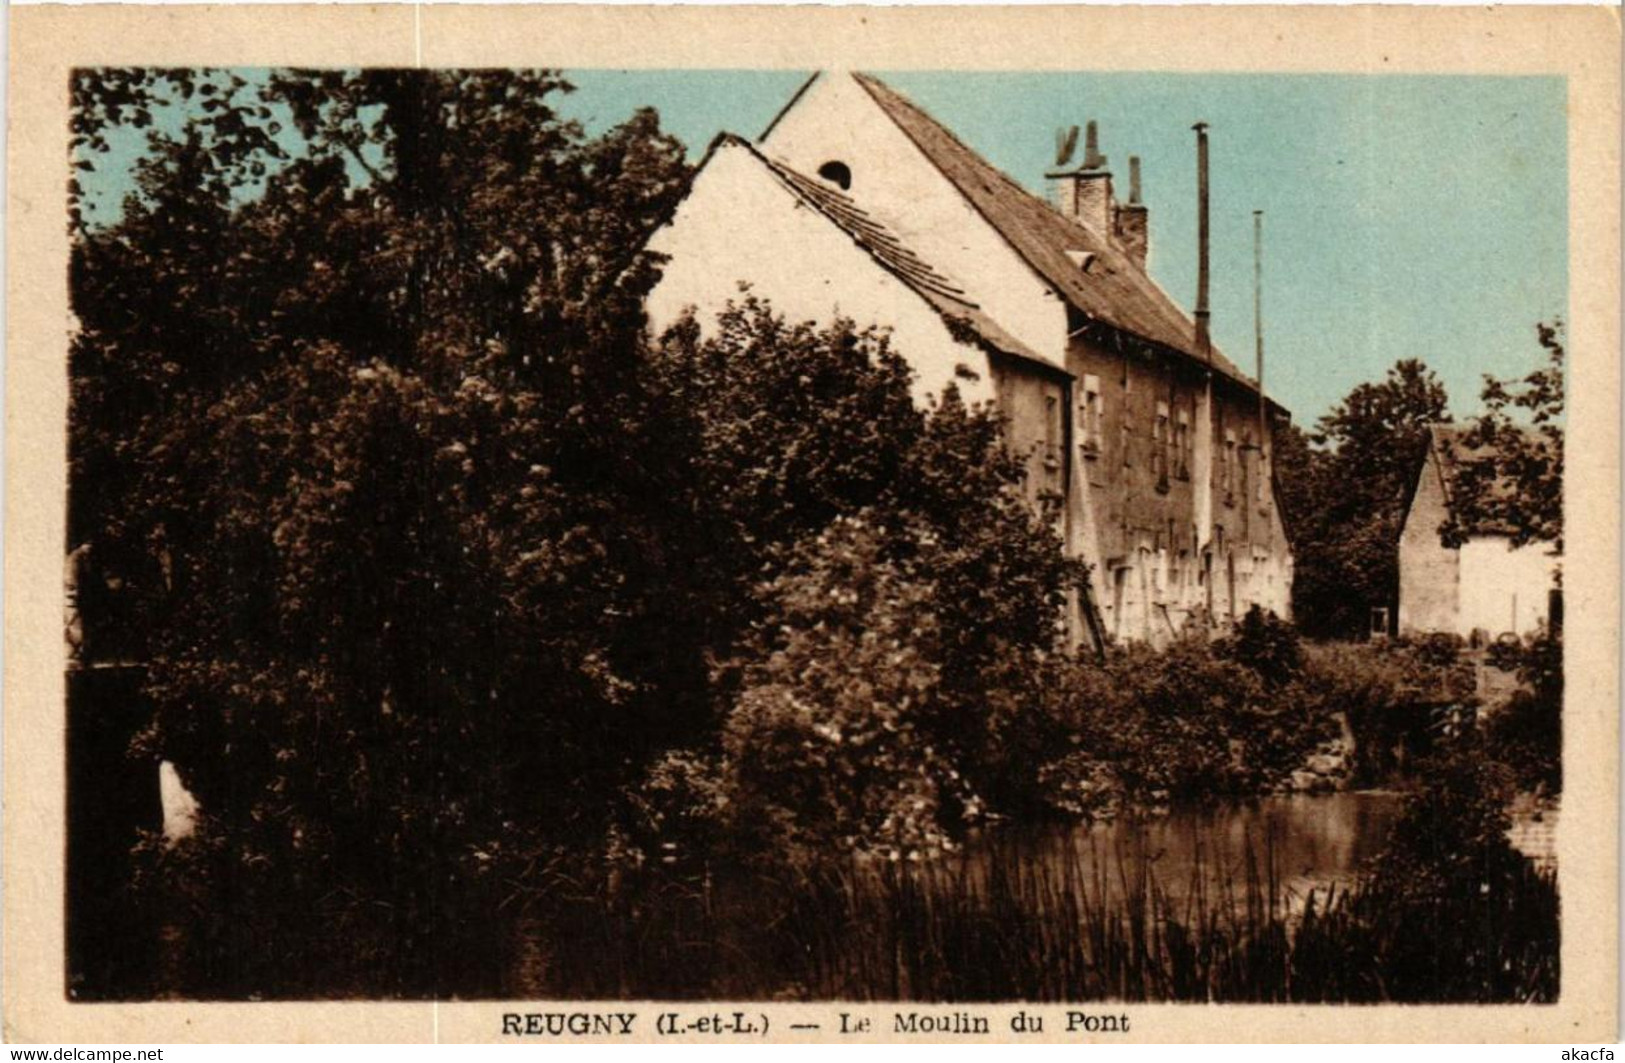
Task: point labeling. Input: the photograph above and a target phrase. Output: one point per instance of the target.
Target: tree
(1344, 489)
(831, 741)
(785, 427)
(809, 465)
(370, 444)
(1510, 474)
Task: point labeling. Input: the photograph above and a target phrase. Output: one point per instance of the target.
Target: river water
(1310, 841)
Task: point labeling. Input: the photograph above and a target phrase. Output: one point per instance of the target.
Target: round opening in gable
(836, 173)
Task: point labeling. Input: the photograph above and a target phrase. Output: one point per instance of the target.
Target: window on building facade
(1052, 442)
(1227, 471)
(1090, 415)
(1244, 462)
(837, 173)
(1182, 445)
(1126, 427)
(1159, 444)
(1261, 488)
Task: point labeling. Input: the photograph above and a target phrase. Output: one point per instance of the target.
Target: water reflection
(1307, 842)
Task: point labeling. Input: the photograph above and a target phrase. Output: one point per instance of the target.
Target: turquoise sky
(1404, 216)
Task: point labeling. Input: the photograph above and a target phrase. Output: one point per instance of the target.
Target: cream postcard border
(1581, 44)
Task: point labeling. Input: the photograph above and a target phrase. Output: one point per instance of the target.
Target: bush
(1526, 733)
(1266, 645)
(1450, 911)
(830, 745)
(1189, 723)
(856, 725)
(675, 816)
(871, 688)
(1395, 697)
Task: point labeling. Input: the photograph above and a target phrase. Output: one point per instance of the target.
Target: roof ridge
(1155, 316)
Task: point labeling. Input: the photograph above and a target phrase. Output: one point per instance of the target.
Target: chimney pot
(1092, 158)
(1131, 221)
(1085, 193)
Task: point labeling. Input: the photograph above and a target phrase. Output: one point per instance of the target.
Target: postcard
(767, 524)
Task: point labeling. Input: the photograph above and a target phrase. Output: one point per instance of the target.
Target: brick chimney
(1131, 229)
(1085, 192)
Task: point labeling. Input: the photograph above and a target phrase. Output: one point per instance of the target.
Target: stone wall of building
(1185, 529)
(1485, 587)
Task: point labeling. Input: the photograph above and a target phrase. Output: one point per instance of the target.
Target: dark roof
(946, 297)
(1114, 290)
(1448, 446)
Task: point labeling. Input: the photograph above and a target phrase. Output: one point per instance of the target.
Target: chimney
(1085, 192)
(1132, 232)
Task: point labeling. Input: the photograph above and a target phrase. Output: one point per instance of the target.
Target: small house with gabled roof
(1482, 586)
(856, 203)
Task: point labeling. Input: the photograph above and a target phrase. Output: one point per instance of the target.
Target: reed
(1000, 924)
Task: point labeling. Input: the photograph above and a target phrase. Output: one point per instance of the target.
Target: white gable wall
(1429, 571)
(740, 224)
(837, 120)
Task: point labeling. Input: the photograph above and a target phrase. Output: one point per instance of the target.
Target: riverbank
(717, 877)
(1287, 898)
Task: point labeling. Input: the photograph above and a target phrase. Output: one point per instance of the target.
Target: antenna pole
(1204, 342)
(1258, 311)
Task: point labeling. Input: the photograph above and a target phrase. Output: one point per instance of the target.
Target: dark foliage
(369, 455)
(1397, 698)
(878, 596)
(1451, 911)
(1191, 723)
(442, 576)
(1267, 646)
(1526, 733)
(1344, 489)
(1512, 478)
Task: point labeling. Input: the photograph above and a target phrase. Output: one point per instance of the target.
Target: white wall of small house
(739, 224)
(836, 120)
(1484, 585)
(1504, 589)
